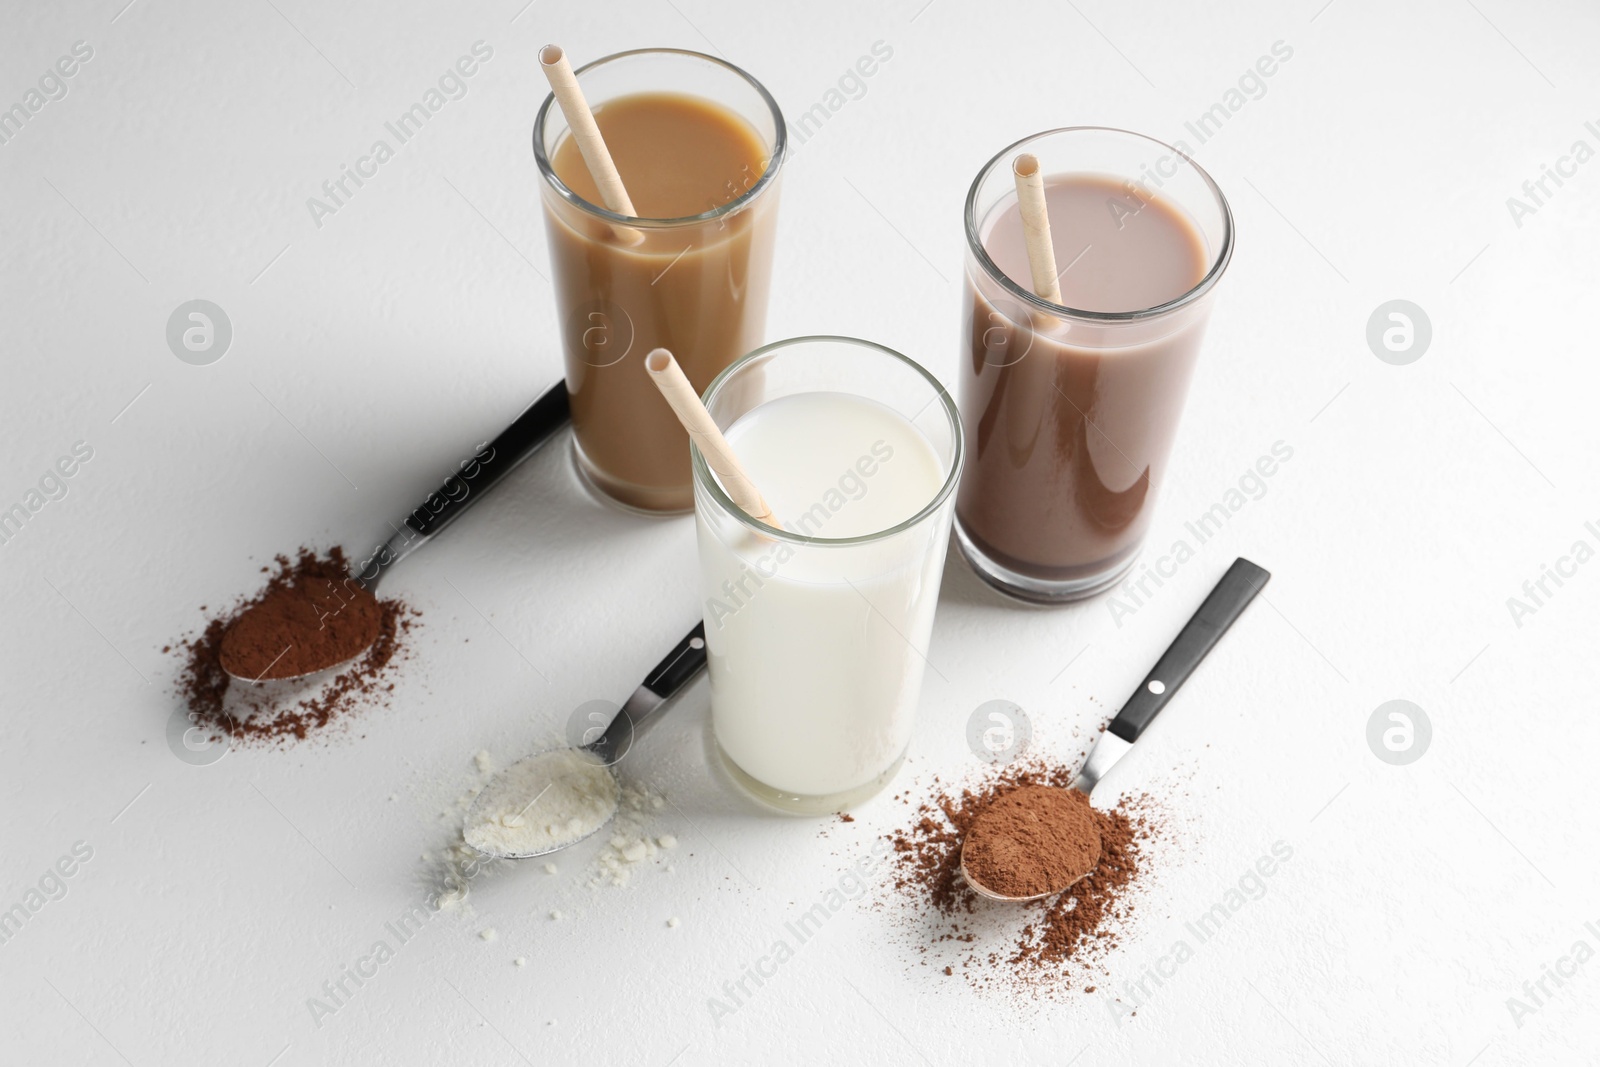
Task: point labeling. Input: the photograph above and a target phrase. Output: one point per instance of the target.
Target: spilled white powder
(454, 866)
(629, 843)
(544, 802)
(452, 898)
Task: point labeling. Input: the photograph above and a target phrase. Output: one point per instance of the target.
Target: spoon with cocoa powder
(1030, 844)
(1039, 840)
(324, 620)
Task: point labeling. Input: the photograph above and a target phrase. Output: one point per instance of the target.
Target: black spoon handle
(680, 666)
(1225, 604)
(489, 464)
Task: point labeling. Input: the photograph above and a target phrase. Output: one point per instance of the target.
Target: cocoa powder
(283, 712)
(1037, 839)
(312, 618)
(1042, 946)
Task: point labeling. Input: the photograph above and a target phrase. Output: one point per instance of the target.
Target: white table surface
(369, 352)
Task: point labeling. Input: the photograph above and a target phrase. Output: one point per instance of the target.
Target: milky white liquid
(816, 651)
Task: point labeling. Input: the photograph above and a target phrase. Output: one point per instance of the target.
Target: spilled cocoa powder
(296, 603)
(1045, 945)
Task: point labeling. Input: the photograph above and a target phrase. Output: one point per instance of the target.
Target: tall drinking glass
(1070, 409)
(704, 142)
(817, 630)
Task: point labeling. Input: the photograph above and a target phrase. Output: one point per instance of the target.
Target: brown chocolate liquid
(1065, 441)
(698, 289)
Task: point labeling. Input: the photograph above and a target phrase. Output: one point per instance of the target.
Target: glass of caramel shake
(699, 145)
(1070, 408)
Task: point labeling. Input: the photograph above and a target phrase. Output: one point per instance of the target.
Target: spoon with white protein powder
(544, 803)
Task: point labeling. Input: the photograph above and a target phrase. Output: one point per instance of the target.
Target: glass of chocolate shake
(699, 145)
(1070, 409)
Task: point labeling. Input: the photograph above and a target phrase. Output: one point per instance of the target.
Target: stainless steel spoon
(536, 425)
(665, 681)
(1205, 627)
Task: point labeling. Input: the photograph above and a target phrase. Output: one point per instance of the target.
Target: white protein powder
(453, 867)
(543, 802)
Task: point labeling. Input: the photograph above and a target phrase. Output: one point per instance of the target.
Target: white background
(372, 352)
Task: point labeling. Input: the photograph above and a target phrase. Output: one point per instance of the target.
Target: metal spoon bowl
(992, 894)
(989, 894)
(478, 814)
(268, 676)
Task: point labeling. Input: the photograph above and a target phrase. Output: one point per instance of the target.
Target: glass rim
(780, 147)
(704, 477)
(1219, 262)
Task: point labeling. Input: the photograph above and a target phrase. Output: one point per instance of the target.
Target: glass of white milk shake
(817, 629)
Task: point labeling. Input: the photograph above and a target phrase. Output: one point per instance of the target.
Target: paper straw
(703, 430)
(580, 120)
(1036, 227)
